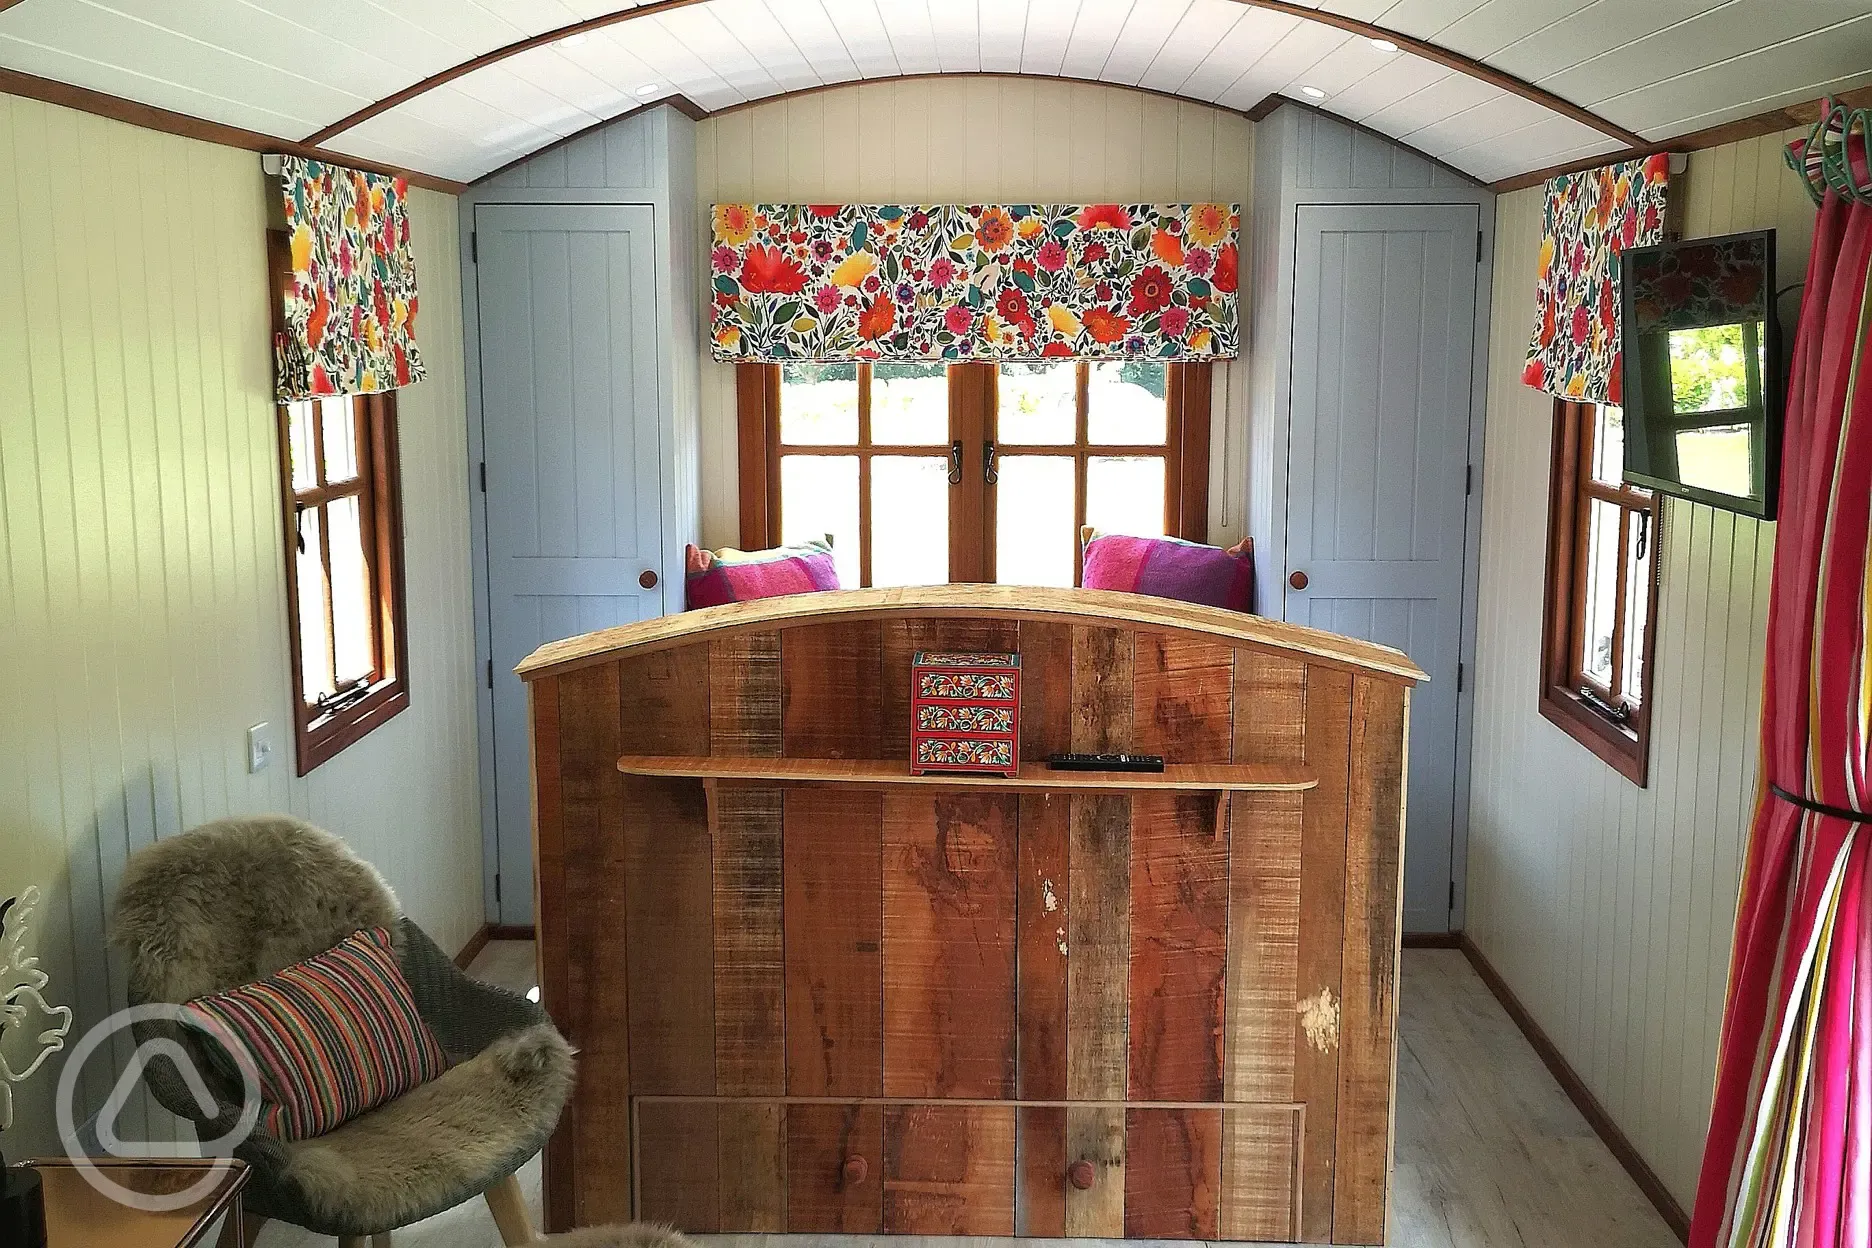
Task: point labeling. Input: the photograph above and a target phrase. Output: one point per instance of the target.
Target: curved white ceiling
(291, 68)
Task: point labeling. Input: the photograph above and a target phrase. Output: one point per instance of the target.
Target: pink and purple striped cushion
(1169, 567)
(331, 1037)
(728, 575)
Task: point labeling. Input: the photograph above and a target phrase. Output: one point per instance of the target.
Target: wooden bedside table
(80, 1216)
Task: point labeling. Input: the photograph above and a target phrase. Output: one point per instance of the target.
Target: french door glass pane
(1038, 404)
(1602, 560)
(819, 405)
(351, 607)
(909, 405)
(1034, 535)
(340, 438)
(909, 520)
(1637, 610)
(315, 656)
(1126, 495)
(1126, 405)
(819, 495)
(1609, 445)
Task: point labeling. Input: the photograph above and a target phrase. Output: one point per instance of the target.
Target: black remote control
(1105, 762)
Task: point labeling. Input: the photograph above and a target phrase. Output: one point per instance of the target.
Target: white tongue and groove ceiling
(296, 68)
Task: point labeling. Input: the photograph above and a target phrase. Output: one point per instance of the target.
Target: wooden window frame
(1623, 744)
(973, 402)
(321, 733)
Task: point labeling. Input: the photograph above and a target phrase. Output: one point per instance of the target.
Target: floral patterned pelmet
(975, 281)
(351, 295)
(1591, 217)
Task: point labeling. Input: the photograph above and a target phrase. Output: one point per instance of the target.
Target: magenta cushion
(1169, 567)
(722, 576)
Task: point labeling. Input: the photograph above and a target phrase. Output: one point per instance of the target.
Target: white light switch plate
(259, 746)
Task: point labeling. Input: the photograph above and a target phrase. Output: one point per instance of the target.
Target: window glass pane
(340, 438)
(351, 596)
(1719, 457)
(1039, 404)
(909, 405)
(1126, 495)
(299, 417)
(1637, 607)
(1601, 572)
(909, 520)
(314, 642)
(819, 495)
(1609, 444)
(1034, 534)
(1709, 369)
(1125, 403)
(819, 404)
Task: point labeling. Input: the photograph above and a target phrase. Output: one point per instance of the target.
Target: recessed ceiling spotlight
(649, 88)
(1313, 93)
(1384, 45)
(571, 41)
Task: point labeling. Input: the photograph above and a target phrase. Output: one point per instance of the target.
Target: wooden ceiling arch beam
(1429, 51)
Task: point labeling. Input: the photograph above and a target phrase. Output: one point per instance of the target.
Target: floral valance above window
(975, 282)
(351, 296)
(1591, 218)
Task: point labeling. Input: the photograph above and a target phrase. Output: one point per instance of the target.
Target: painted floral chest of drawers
(964, 712)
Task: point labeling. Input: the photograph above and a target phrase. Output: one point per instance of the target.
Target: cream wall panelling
(1305, 158)
(1662, 69)
(142, 603)
(1609, 908)
(648, 159)
(968, 140)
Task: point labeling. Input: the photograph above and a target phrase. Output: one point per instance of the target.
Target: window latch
(955, 462)
(990, 473)
(1618, 713)
(1644, 533)
(298, 532)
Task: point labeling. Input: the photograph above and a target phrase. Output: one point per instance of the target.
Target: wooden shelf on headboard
(875, 773)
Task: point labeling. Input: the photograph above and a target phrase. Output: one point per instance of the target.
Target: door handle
(647, 578)
(1298, 580)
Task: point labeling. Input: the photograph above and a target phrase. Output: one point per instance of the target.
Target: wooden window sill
(1618, 745)
(329, 735)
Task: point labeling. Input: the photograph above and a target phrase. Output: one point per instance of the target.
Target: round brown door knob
(647, 579)
(1082, 1174)
(856, 1169)
(1298, 580)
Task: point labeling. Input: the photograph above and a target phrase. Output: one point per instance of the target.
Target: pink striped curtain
(1789, 1156)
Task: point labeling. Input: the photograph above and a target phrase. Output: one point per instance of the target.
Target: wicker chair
(237, 900)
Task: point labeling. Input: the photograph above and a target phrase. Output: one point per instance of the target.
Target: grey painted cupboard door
(1383, 345)
(569, 417)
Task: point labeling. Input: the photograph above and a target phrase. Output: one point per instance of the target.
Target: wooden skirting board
(1569, 1080)
(487, 932)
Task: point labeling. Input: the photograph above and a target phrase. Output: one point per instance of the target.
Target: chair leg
(351, 1241)
(508, 1206)
(380, 1241)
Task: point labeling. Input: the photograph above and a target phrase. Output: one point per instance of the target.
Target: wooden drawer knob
(1082, 1174)
(1298, 580)
(647, 579)
(856, 1168)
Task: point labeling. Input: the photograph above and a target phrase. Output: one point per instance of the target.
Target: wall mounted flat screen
(1702, 371)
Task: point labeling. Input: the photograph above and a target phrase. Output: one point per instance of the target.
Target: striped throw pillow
(330, 1037)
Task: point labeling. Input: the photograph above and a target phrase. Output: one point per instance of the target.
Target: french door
(927, 473)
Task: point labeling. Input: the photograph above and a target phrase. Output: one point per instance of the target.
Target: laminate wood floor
(1490, 1153)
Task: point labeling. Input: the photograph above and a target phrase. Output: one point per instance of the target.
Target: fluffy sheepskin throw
(387, 1168)
(237, 900)
(636, 1235)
